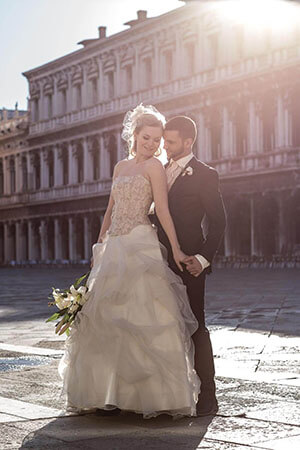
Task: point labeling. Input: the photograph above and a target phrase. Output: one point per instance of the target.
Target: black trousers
(204, 361)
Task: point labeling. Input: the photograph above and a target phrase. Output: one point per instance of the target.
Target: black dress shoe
(207, 404)
(108, 412)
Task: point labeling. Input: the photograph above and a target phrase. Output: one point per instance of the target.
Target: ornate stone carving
(127, 54)
(92, 68)
(62, 80)
(34, 89)
(109, 60)
(76, 74)
(48, 85)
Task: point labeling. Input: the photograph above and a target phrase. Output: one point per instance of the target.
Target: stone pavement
(253, 316)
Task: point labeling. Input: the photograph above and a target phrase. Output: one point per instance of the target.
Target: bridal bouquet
(69, 302)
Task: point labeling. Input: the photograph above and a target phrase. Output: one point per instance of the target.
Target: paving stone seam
(242, 416)
(221, 441)
(67, 416)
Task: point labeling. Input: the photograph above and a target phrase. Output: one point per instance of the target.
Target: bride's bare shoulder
(154, 163)
(120, 166)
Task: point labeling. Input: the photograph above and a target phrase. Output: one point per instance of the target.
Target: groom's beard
(176, 155)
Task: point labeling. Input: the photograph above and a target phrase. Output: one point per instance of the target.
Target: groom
(194, 193)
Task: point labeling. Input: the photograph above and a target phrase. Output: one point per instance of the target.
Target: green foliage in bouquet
(69, 302)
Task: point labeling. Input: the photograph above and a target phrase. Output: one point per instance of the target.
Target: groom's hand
(193, 266)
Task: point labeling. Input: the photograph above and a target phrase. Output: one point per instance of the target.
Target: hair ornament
(131, 119)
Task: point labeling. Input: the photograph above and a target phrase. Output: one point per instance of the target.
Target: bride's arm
(107, 216)
(106, 219)
(158, 180)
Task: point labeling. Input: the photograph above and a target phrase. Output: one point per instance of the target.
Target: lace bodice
(132, 195)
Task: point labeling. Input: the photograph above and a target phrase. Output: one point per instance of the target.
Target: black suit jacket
(191, 197)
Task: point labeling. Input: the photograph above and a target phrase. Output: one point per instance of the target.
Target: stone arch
(64, 154)
(37, 170)
(113, 153)
(79, 238)
(269, 217)
(12, 237)
(24, 231)
(24, 174)
(51, 167)
(241, 124)
(12, 171)
(95, 227)
(1, 243)
(65, 238)
(80, 163)
(51, 239)
(295, 222)
(216, 133)
(95, 149)
(242, 227)
(295, 113)
(1, 178)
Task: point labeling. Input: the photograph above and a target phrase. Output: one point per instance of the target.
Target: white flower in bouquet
(69, 302)
(73, 308)
(60, 300)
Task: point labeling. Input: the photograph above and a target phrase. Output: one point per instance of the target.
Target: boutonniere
(188, 171)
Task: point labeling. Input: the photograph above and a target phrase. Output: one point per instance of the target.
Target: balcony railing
(255, 163)
(57, 193)
(284, 158)
(171, 89)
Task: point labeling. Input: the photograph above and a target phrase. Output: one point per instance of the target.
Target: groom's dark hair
(185, 126)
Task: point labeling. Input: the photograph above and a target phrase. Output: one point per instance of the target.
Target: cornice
(130, 36)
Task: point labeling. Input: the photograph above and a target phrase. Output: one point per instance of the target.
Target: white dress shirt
(173, 170)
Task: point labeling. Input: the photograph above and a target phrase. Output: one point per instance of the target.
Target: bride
(131, 347)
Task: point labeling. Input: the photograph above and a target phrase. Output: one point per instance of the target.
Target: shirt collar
(182, 162)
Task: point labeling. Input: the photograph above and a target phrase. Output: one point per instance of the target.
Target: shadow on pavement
(128, 431)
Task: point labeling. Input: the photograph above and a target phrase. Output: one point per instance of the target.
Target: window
(268, 123)
(128, 79)
(241, 129)
(168, 59)
(110, 84)
(65, 165)
(295, 106)
(216, 134)
(12, 176)
(1, 179)
(78, 96)
(49, 106)
(94, 89)
(190, 58)
(51, 168)
(24, 174)
(212, 49)
(35, 109)
(63, 101)
(96, 162)
(80, 164)
(147, 63)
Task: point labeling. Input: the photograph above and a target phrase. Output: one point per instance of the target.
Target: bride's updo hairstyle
(134, 121)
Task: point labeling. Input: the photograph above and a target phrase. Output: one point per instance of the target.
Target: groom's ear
(187, 143)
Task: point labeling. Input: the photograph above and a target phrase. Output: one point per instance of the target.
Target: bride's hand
(179, 256)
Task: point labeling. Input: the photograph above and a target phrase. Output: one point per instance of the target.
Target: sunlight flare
(275, 14)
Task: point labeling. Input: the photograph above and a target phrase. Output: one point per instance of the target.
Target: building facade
(241, 88)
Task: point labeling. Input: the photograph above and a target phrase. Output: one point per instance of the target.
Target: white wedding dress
(131, 346)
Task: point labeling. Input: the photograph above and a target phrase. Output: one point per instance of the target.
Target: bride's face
(148, 141)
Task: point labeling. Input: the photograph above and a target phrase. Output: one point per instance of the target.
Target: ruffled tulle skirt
(131, 346)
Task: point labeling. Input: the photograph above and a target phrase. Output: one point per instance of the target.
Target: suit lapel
(179, 180)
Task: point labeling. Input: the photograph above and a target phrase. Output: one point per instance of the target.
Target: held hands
(179, 257)
(193, 266)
